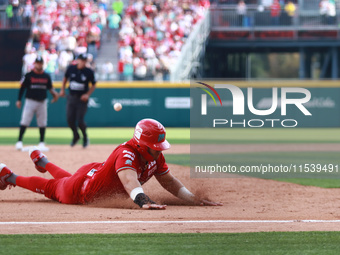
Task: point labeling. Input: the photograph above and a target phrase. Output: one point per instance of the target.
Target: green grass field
(8, 136)
(182, 135)
(212, 243)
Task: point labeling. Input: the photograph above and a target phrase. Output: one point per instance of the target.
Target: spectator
(62, 43)
(9, 12)
(28, 60)
(102, 18)
(275, 11)
(138, 6)
(28, 13)
(140, 71)
(118, 6)
(16, 13)
(165, 67)
(113, 21)
(148, 51)
(107, 70)
(54, 40)
(152, 65)
(35, 37)
(43, 53)
(90, 62)
(71, 42)
(241, 11)
(121, 70)
(323, 7)
(290, 9)
(92, 38)
(103, 4)
(128, 69)
(125, 51)
(52, 64)
(331, 13)
(65, 58)
(81, 47)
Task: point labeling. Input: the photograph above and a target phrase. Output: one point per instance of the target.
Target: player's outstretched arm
(175, 187)
(128, 178)
(55, 95)
(62, 90)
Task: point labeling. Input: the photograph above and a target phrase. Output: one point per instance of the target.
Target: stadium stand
(152, 35)
(62, 31)
(144, 40)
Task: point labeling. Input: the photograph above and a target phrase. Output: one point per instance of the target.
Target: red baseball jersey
(101, 179)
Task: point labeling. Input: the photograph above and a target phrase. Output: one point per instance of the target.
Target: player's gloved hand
(209, 203)
(153, 207)
(84, 97)
(18, 104)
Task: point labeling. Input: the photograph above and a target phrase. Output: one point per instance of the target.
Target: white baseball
(117, 107)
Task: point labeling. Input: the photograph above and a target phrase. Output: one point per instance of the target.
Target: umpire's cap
(82, 56)
(39, 59)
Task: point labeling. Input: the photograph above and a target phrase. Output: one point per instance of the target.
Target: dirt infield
(249, 204)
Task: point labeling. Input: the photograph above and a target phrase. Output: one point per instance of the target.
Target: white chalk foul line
(164, 222)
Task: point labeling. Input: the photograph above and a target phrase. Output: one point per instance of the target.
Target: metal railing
(189, 59)
(16, 22)
(226, 18)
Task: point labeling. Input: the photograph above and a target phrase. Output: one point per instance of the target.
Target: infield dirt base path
(268, 203)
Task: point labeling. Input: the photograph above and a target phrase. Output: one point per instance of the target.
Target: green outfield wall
(170, 103)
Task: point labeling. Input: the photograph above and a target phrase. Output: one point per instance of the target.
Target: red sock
(34, 183)
(56, 171)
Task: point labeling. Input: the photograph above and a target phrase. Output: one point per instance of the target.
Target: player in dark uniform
(79, 77)
(36, 82)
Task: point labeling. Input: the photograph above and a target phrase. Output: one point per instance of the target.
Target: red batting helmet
(149, 133)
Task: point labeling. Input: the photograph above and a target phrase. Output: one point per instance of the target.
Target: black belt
(40, 101)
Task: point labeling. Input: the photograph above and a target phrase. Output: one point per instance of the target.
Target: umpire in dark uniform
(36, 83)
(79, 77)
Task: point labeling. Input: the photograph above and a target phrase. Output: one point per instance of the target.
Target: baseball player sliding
(128, 167)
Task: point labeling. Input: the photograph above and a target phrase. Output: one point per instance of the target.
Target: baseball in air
(117, 107)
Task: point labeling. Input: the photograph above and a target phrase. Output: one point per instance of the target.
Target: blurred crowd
(19, 14)
(63, 29)
(152, 34)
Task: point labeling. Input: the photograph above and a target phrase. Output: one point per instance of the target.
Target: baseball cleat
(86, 143)
(74, 141)
(5, 172)
(19, 146)
(42, 147)
(36, 155)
